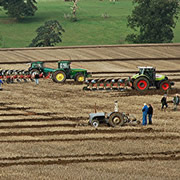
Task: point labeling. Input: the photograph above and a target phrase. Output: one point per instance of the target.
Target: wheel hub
(59, 77)
(116, 120)
(81, 79)
(142, 85)
(95, 124)
(165, 86)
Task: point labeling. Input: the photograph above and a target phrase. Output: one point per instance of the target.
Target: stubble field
(44, 131)
(44, 134)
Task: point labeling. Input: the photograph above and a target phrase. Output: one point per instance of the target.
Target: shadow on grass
(33, 19)
(26, 20)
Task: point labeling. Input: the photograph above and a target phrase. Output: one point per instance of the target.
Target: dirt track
(44, 134)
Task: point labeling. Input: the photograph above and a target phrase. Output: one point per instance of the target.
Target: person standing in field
(164, 101)
(145, 111)
(176, 100)
(150, 113)
(1, 82)
(36, 77)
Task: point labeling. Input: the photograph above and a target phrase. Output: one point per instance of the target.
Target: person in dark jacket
(150, 113)
(164, 101)
(144, 110)
(36, 77)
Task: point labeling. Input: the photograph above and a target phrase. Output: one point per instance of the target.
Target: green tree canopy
(48, 35)
(19, 8)
(153, 21)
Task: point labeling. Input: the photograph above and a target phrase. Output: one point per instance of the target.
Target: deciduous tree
(153, 21)
(19, 8)
(48, 35)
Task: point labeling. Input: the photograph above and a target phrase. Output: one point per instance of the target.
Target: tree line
(152, 21)
(19, 8)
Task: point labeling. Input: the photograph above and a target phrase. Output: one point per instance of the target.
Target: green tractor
(60, 74)
(147, 77)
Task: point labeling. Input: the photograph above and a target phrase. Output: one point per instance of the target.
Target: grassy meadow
(91, 28)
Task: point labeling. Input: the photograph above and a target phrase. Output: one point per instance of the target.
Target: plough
(11, 76)
(107, 84)
(141, 81)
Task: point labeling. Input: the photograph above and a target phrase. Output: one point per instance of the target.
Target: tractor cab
(149, 72)
(64, 64)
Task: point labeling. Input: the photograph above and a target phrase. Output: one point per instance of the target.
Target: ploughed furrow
(100, 60)
(80, 132)
(38, 126)
(28, 114)
(14, 108)
(92, 155)
(111, 139)
(73, 119)
(130, 92)
(89, 158)
(5, 104)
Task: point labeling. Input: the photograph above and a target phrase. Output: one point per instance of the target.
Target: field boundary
(91, 46)
(96, 60)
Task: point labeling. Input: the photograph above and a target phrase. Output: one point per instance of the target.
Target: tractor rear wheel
(141, 84)
(80, 77)
(59, 76)
(165, 85)
(116, 119)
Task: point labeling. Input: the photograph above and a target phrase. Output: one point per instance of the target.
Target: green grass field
(90, 29)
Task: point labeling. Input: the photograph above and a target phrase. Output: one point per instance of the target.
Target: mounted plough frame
(142, 81)
(107, 84)
(11, 76)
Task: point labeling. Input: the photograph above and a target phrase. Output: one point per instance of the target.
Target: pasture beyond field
(90, 29)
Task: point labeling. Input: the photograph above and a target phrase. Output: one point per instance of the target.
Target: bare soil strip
(99, 60)
(89, 158)
(92, 155)
(78, 132)
(14, 108)
(130, 92)
(37, 126)
(29, 114)
(92, 46)
(110, 139)
(73, 119)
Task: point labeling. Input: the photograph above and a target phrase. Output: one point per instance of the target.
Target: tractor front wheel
(116, 119)
(141, 84)
(95, 123)
(59, 76)
(165, 85)
(80, 78)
